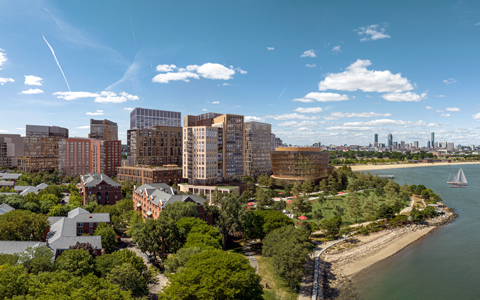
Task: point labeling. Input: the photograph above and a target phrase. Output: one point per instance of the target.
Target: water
(446, 263)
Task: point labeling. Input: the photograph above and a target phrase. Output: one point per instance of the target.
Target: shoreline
(348, 259)
(363, 168)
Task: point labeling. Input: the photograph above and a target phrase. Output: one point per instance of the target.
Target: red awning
(302, 218)
(251, 203)
(280, 193)
(289, 201)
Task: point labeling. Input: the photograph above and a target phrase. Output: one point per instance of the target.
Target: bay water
(446, 263)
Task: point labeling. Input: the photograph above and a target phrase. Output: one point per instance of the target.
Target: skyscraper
(433, 138)
(104, 130)
(148, 118)
(390, 140)
(375, 144)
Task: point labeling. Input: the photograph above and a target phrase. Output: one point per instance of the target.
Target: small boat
(459, 181)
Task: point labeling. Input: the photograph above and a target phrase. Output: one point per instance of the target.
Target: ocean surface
(446, 263)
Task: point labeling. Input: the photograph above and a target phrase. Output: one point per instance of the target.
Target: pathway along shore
(347, 258)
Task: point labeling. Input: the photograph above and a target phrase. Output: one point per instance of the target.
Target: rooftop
(94, 179)
(161, 194)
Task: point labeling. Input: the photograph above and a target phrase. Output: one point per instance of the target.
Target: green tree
(176, 262)
(37, 259)
(203, 241)
(289, 248)
(109, 237)
(317, 210)
(179, 210)
(385, 211)
(355, 208)
(128, 279)
(232, 212)
(307, 186)
(8, 259)
(144, 233)
(214, 274)
(77, 262)
(301, 205)
(168, 235)
(85, 246)
(13, 281)
(332, 226)
(186, 224)
(392, 189)
(370, 206)
(20, 225)
(262, 198)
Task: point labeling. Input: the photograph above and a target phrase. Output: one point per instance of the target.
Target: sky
(334, 72)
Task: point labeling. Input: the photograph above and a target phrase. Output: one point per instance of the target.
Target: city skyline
(315, 71)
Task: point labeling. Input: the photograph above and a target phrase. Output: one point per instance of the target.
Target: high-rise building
(444, 144)
(450, 146)
(390, 140)
(200, 155)
(375, 138)
(79, 156)
(415, 144)
(230, 145)
(273, 141)
(104, 130)
(41, 148)
(148, 118)
(428, 144)
(279, 142)
(156, 146)
(402, 144)
(11, 147)
(257, 149)
(433, 138)
(200, 120)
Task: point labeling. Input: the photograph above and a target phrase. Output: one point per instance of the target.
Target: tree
(355, 208)
(203, 241)
(339, 211)
(214, 274)
(176, 262)
(332, 226)
(323, 186)
(370, 206)
(307, 186)
(317, 210)
(37, 259)
(385, 211)
(85, 246)
(168, 235)
(78, 262)
(20, 225)
(8, 259)
(262, 198)
(286, 190)
(216, 197)
(144, 233)
(301, 205)
(13, 281)
(231, 214)
(392, 189)
(109, 237)
(179, 210)
(184, 226)
(289, 248)
(128, 279)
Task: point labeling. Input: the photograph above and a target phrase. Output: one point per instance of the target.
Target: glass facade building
(148, 118)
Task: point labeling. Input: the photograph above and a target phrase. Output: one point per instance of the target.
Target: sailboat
(459, 181)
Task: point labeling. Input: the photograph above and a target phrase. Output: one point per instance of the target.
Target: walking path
(250, 254)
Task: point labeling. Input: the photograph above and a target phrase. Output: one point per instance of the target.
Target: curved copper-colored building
(297, 163)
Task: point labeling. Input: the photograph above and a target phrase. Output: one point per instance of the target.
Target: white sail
(464, 180)
(456, 179)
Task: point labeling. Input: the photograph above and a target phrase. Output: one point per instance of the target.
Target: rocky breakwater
(442, 219)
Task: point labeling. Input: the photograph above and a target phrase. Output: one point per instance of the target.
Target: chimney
(89, 216)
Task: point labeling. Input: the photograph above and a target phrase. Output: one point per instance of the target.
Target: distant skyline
(328, 71)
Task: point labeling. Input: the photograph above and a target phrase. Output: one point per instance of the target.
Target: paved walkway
(250, 254)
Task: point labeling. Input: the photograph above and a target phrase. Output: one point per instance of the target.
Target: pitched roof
(14, 176)
(7, 183)
(81, 215)
(12, 247)
(94, 179)
(161, 194)
(31, 189)
(5, 208)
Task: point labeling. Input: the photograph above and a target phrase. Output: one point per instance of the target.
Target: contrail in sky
(53, 52)
(282, 92)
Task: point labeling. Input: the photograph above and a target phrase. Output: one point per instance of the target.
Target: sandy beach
(400, 166)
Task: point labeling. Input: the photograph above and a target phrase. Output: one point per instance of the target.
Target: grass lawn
(279, 288)
(226, 186)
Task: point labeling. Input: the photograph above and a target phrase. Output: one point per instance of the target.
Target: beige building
(168, 174)
(157, 146)
(200, 154)
(231, 138)
(258, 144)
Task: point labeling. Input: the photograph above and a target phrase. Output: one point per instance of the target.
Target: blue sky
(330, 71)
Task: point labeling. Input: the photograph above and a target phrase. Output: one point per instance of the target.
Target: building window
(80, 231)
(80, 224)
(91, 231)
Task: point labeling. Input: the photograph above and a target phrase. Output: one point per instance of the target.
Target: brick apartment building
(157, 146)
(105, 190)
(151, 199)
(104, 130)
(79, 156)
(168, 174)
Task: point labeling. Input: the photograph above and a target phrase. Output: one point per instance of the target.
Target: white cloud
(84, 127)
(373, 32)
(270, 48)
(292, 116)
(226, 84)
(336, 49)
(5, 80)
(449, 81)
(128, 108)
(309, 110)
(32, 91)
(428, 107)
(204, 109)
(404, 97)
(243, 72)
(102, 97)
(33, 80)
(253, 118)
(311, 65)
(215, 71)
(358, 115)
(453, 109)
(3, 57)
(368, 96)
(440, 96)
(96, 113)
(303, 100)
(342, 128)
(308, 53)
(385, 122)
(180, 76)
(20, 128)
(215, 102)
(3, 131)
(445, 115)
(439, 111)
(298, 124)
(357, 77)
(476, 117)
(477, 24)
(165, 68)
(326, 97)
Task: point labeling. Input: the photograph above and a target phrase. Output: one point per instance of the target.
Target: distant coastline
(358, 168)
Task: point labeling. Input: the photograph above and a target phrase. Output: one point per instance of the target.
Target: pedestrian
(266, 285)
